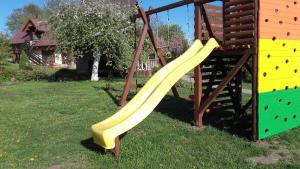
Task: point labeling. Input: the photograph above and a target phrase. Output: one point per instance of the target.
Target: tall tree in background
(97, 27)
(172, 39)
(21, 15)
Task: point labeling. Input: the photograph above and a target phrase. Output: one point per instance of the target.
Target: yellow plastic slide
(105, 132)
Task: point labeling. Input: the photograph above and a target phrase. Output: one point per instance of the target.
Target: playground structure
(267, 32)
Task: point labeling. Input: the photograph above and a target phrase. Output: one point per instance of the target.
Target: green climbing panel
(278, 111)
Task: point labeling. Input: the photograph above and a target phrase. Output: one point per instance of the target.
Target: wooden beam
(197, 70)
(255, 75)
(238, 28)
(134, 62)
(236, 2)
(170, 6)
(248, 68)
(117, 149)
(226, 80)
(207, 23)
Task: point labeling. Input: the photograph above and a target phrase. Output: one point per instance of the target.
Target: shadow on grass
(176, 108)
(68, 75)
(228, 121)
(90, 145)
(110, 94)
(115, 98)
(182, 109)
(109, 91)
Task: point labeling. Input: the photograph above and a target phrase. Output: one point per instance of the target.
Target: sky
(182, 16)
(7, 6)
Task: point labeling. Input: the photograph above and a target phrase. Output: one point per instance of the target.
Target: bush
(24, 62)
(10, 72)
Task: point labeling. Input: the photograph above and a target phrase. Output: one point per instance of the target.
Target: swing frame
(202, 104)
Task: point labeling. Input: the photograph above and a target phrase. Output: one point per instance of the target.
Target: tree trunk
(95, 68)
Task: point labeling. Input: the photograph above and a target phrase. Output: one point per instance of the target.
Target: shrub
(11, 71)
(5, 50)
(24, 62)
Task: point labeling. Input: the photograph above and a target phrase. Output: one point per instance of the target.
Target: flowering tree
(99, 27)
(173, 39)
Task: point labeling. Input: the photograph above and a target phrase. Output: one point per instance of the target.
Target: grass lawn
(47, 125)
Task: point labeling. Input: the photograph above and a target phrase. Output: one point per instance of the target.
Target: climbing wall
(278, 66)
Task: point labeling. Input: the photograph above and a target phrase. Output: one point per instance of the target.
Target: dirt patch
(273, 158)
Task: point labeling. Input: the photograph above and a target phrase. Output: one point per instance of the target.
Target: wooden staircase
(32, 56)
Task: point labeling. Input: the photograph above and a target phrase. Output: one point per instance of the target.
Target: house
(37, 42)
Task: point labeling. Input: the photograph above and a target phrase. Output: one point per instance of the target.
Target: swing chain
(188, 21)
(138, 2)
(168, 13)
(157, 28)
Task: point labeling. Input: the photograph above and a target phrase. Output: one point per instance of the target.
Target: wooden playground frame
(238, 41)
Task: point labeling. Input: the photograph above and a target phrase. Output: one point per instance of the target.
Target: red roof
(22, 35)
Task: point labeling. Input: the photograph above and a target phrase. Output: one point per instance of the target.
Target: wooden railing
(215, 17)
(239, 23)
(232, 25)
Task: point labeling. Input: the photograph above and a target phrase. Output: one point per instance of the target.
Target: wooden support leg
(255, 75)
(198, 95)
(133, 65)
(197, 70)
(117, 149)
(146, 29)
(254, 97)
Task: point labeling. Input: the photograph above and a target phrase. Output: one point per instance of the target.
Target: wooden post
(254, 74)
(117, 149)
(197, 70)
(134, 62)
(146, 29)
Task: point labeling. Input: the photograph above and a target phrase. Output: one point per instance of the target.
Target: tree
(52, 6)
(24, 62)
(5, 50)
(21, 15)
(97, 27)
(172, 39)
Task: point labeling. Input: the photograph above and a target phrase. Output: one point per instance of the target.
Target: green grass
(44, 125)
